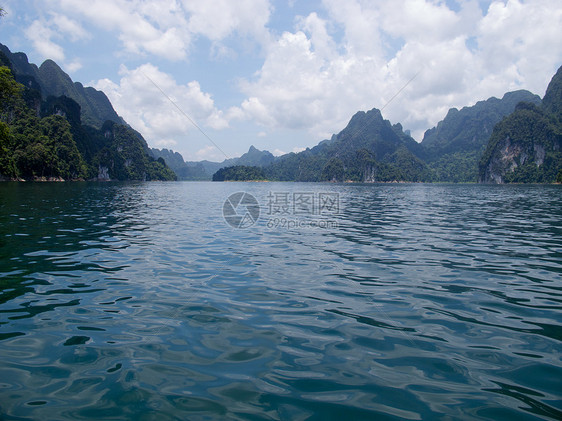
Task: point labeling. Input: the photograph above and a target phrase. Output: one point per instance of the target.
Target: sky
(209, 78)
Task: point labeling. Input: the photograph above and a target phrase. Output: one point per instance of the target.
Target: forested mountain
(240, 173)
(52, 127)
(369, 149)
(526, 146)
(454, 147)
(204, 170)
(42, 135)
(51, 80)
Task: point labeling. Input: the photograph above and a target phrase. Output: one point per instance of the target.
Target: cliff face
(470, 128)
(526, 146)
(513, 159)
(48, 135)
(53, 81)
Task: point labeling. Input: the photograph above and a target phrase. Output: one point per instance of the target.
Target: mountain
(525, 147)
(204, 170)
(371, 149)
(368, 149)
(470, 128)
(255, 158)
(552, 101)
(183, 170)
(454, 147)
(42, 136)
(53, 81)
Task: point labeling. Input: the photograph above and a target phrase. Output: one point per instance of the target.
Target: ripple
(137, 300)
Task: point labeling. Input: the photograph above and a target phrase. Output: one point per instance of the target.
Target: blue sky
(284, 75)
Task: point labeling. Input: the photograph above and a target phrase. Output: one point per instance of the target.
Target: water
(138, 301)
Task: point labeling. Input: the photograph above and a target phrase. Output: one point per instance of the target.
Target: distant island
(52, 128)
(240, 173)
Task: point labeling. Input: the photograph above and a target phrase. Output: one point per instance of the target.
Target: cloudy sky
(283, 75)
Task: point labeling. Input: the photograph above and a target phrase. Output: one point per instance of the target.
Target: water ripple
(129, 301)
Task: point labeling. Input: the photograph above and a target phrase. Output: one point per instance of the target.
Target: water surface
(138, 301)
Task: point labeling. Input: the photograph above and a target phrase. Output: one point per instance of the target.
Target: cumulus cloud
(414, 58)
(47, 34)
(218, 19)
(40, 34)
(142, 27)
(315, 78)
(167, 28)
(160, 108)
(68, 27)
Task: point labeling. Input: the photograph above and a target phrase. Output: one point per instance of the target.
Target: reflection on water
(137, 301)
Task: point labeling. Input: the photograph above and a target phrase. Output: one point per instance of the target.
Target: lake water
(354, 302)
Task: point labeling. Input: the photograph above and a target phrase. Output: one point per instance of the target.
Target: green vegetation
(239, 173)
(50, 80)
(371, 149)
(454, 147)
(526, 146)
(459, 149)
(46, 140)
(204, 170)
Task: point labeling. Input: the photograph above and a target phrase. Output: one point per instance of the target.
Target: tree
(333, 170)
(10, 94)
(239, 173)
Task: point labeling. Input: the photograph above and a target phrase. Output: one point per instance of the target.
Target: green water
(141, 302)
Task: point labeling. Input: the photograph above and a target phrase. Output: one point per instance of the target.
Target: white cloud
(209, 153)
(47, 35)
(141, 98)
(361, 24)
(165, 143)
(41, 36)
(153, 27)
(167, 28)
(68, 27)
(520, 43)
(220, 18)
(315, 78)
(420, 20)
(73, 66)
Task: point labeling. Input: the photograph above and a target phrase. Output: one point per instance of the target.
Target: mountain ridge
(96, 107)
(204, 170)
(526, 146)
(370, 148)
(466, 146)
(43, 137)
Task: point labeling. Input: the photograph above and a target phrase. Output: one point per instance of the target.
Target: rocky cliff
(525, 147)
